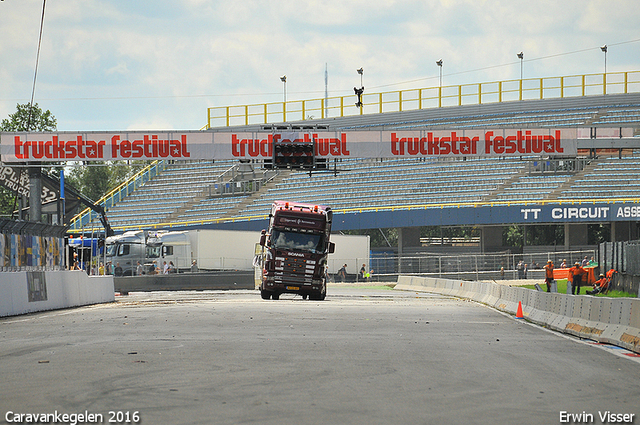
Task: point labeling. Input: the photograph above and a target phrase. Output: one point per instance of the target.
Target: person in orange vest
(548, 270)
(599, 285)
(575, 275)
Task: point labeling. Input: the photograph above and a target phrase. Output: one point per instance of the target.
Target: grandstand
(205, 193)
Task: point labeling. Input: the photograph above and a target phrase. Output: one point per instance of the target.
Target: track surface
(363, 356)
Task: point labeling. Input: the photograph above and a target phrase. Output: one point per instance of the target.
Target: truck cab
(130, 248)
(295, 249)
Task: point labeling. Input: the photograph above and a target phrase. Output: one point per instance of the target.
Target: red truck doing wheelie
(295, 249)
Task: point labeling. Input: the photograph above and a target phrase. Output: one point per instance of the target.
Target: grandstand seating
(612, 178)
(178, 185)
(181, 193)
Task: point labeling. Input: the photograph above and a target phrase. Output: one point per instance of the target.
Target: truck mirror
(263, 238)
(332, 247)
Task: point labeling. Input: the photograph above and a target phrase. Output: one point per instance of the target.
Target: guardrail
(87, 215)
(432, 97)
(186, 223)
(606, 320)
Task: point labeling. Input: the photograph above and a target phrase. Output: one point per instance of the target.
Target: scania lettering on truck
(295, 249)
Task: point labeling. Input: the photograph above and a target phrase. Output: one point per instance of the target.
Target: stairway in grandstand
(178, 192)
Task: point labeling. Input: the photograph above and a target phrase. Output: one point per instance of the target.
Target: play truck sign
(188, 145)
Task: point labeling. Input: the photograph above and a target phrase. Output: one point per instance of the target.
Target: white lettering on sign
(534, 211)
(582, 212)
(628, 212)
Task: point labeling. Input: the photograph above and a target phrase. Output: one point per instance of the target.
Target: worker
(575, 274)
(548, 275)
(599, 285)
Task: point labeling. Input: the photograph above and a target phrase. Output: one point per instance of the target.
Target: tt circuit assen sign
(187, 145)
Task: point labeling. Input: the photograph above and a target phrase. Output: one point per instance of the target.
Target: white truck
(131, 247)
(216, 250)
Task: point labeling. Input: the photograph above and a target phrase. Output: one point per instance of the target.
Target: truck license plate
(293, 288)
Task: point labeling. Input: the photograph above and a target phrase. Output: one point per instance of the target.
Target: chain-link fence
(474, 266)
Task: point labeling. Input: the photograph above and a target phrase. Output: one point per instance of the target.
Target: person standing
(342, 273)
(575, 273)
(520, 268)
(363, 270)
(548, 274)
(118, 270)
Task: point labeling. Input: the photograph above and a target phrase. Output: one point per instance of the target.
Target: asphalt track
(363, 356)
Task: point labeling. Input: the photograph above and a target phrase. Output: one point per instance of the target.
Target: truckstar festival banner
(188, 145)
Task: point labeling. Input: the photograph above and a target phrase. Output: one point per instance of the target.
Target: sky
(158, 65)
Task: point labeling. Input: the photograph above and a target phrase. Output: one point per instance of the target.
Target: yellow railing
(114, 196)
(423, 98)
(388, 208)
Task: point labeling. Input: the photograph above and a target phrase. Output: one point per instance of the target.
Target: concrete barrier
(608, 320)
(28, 292)
(186, 282)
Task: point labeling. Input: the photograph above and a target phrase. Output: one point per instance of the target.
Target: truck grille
(294, 270)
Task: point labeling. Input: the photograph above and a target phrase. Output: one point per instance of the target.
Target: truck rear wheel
(318, 297)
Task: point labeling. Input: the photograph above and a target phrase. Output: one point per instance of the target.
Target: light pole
(521, 57)
(359, 91)
(439, 63)
(604, 77)
(284, 87)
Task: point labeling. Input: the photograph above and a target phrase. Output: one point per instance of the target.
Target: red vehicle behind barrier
(295, 249)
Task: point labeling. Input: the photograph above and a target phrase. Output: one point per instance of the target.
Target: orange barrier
(564, 274)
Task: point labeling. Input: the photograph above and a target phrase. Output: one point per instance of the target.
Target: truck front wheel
(265, 294)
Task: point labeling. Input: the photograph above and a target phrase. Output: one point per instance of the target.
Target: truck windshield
(111, 250)
(297, 241)
(153, 251)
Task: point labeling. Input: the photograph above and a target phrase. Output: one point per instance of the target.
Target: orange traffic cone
(519, 314)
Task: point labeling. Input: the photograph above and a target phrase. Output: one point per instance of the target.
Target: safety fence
(606, 320)
(423, 98)
(502, 265)
(622, 256)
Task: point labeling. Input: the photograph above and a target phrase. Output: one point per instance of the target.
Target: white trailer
(223, 249)
(352, 250)
(219, 250)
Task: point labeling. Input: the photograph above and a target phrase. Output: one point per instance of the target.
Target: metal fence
(621, 256)
(470, 266)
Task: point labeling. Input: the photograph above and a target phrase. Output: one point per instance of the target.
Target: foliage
(29, 118)
(464, 232)
(21, 120)
(379, 238)
(7, 200)
(514, 235)
(95, 181)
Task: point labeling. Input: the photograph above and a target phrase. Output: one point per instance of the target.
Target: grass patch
(562, 289)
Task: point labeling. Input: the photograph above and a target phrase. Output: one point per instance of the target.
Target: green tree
(26, 118)
(30, 118)
(95, 181)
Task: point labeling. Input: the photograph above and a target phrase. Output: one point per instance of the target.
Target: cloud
(125, 65)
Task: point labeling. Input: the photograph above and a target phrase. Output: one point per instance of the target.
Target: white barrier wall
(26, 292)
(607, 320)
